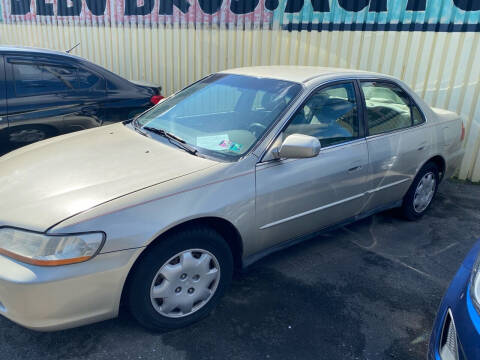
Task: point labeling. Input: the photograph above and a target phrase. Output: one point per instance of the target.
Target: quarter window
(330, 115)
(417, 115)
(388, 108)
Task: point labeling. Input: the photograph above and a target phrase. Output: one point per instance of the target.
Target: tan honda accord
(159, 211)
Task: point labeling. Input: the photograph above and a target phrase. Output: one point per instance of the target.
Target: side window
(388, 108)
(330, 115)
(32, 78)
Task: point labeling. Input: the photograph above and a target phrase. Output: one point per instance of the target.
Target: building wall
(433, 45)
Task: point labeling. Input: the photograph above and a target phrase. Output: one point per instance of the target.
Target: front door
(295, 197)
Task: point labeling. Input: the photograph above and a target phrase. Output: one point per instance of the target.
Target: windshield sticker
(225, 144)
(214, 142)
(236, 147)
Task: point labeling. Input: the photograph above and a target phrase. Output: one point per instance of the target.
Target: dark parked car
(45, 93)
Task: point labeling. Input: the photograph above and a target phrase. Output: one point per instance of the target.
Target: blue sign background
(439, 15)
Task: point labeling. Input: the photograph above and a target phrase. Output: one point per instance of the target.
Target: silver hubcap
(424, 192)
(185, 283)
(27, 136)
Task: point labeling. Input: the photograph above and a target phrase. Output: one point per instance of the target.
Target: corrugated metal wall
(432, 45)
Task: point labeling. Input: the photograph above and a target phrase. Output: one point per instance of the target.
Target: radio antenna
(69, 50)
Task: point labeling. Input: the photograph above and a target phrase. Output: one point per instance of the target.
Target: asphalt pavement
(369, 290)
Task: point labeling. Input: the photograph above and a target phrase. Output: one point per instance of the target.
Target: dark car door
(47, 96)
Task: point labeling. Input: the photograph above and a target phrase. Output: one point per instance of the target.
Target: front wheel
(180, 279)
(421, 193)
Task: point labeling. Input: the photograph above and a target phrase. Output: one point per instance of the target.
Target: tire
(164, 266)
(416, 202)
(24, 135)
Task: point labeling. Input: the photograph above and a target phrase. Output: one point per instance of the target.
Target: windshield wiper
(174, 139)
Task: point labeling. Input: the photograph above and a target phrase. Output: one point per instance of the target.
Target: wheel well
(440, 162)
(224, 227)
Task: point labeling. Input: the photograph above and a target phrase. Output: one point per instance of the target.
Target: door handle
(422, 146)
(355, 168)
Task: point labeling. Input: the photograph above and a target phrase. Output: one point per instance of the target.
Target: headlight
(475, 284)
(49, 250)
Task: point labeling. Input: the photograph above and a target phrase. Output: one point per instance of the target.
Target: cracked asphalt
(369, 290)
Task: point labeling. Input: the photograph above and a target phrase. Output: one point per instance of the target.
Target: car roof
(300, 74)
(39, 51)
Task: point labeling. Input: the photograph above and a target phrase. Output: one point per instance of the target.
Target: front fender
(135, 220)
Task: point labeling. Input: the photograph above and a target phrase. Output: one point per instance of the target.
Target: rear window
(37, 78)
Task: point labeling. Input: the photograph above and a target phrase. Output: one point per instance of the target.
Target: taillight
(155, 99)
(462, 137)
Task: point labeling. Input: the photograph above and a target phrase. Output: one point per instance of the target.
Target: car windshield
(222, 115)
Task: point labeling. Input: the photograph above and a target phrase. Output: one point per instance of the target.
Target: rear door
(37, 92)
(51, 93)
(397, 141)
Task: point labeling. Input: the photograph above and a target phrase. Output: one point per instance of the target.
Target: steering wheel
(256, 128)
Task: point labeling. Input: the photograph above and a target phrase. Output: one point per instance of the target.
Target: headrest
(317, 102)
(270, 100)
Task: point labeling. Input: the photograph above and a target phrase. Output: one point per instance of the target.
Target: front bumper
(56, 298)
(465, 317)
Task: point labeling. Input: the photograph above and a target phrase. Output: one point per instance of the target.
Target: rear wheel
(421, 193)
(180, 279)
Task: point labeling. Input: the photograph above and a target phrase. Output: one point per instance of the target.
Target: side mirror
(298, 146)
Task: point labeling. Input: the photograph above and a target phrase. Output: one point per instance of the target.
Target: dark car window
(87, 80)
(330, 115)
(388, 108)
(31, 78)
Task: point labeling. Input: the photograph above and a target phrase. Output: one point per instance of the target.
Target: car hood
(47, 182)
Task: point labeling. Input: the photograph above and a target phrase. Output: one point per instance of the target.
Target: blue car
(456, 332)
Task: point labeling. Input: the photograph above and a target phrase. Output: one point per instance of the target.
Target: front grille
(449, 343)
